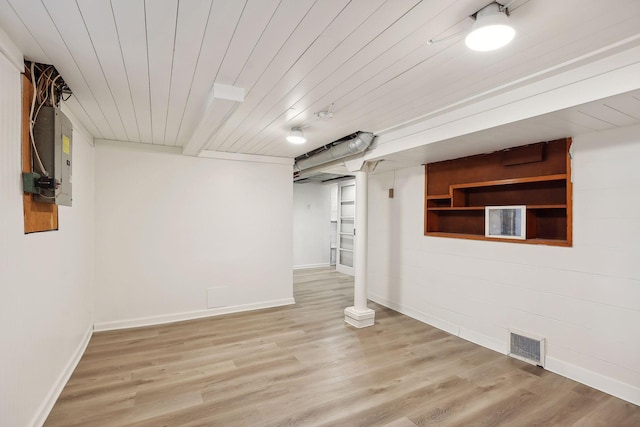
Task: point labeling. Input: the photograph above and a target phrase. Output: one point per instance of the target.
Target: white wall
(169, 227)
(45, 278)
(311, 225)
(585, 300)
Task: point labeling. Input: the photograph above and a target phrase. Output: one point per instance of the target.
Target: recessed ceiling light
(296, 136)
(492, 29)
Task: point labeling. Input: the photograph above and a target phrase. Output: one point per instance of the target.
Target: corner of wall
(54, 392)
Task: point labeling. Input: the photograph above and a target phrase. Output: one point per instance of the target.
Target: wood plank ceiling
(143, 70)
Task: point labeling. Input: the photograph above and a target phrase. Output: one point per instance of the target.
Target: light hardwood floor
(300, 365)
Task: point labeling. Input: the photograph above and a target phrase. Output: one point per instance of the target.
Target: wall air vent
(526, 347)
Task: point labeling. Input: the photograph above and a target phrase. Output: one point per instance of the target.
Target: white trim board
(453, 329)
(305, 266)
(139, 146)
(188, 315)
(47, 404)
(593, 379)
(255, 158)
(206, 154)
(9, 49)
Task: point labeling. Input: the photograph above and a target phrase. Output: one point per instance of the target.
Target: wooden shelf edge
(481, 208)
(439, 197)
(543, 178)
(460, 208)
(546, 206)
(548, 242)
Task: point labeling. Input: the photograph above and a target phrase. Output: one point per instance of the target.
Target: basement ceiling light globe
(492, 29)
(296, 136)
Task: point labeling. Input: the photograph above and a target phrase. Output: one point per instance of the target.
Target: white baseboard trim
(45, 408)
(303, 266)
(484, 340)
(608, 385)
(418, 315)
(453, 329)
(188, 315)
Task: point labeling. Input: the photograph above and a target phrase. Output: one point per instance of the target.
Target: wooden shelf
(550, 242)
(461, 208)
(547, 207)
(458, 191)
(481, 208)
(512, 181)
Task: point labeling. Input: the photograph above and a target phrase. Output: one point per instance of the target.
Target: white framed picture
(506, 222)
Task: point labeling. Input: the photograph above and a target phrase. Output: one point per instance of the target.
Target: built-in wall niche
(535, 178)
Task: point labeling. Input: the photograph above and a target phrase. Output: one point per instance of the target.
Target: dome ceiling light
(296, 136)
(492, 29)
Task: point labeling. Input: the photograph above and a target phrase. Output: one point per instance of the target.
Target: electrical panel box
(52, 133)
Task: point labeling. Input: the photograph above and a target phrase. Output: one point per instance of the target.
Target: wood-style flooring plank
(301, 365)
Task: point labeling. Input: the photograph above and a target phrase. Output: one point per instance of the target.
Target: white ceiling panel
(143, 70)
(629, 105)
(363, 72)
(254, 20)
(161, 19)
(221, 26)
(352, 56)
(71, 27)
(81, 114)
(577, 117)
(193, 17)
(285, 20)
(98, 20)
(304, 50)
(608, 114)
(444, 84)
(39, 24)
(13, 24)
(130, 25)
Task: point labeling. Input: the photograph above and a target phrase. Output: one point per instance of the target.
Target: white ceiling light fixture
(296, 136)
(492, 29)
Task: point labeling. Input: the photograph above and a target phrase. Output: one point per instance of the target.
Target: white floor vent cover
(526, 347)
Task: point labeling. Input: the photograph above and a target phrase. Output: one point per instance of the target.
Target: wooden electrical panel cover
(37, 216)
(537, 175)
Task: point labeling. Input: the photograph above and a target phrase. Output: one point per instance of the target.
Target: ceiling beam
(223, 100)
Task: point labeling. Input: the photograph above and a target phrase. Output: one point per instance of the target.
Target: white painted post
(360, 315)
(360, 261)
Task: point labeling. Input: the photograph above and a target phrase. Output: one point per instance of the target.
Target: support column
(359, 315)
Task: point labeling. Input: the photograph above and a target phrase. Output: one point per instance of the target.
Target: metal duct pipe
(348, 148)
(316, 170)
